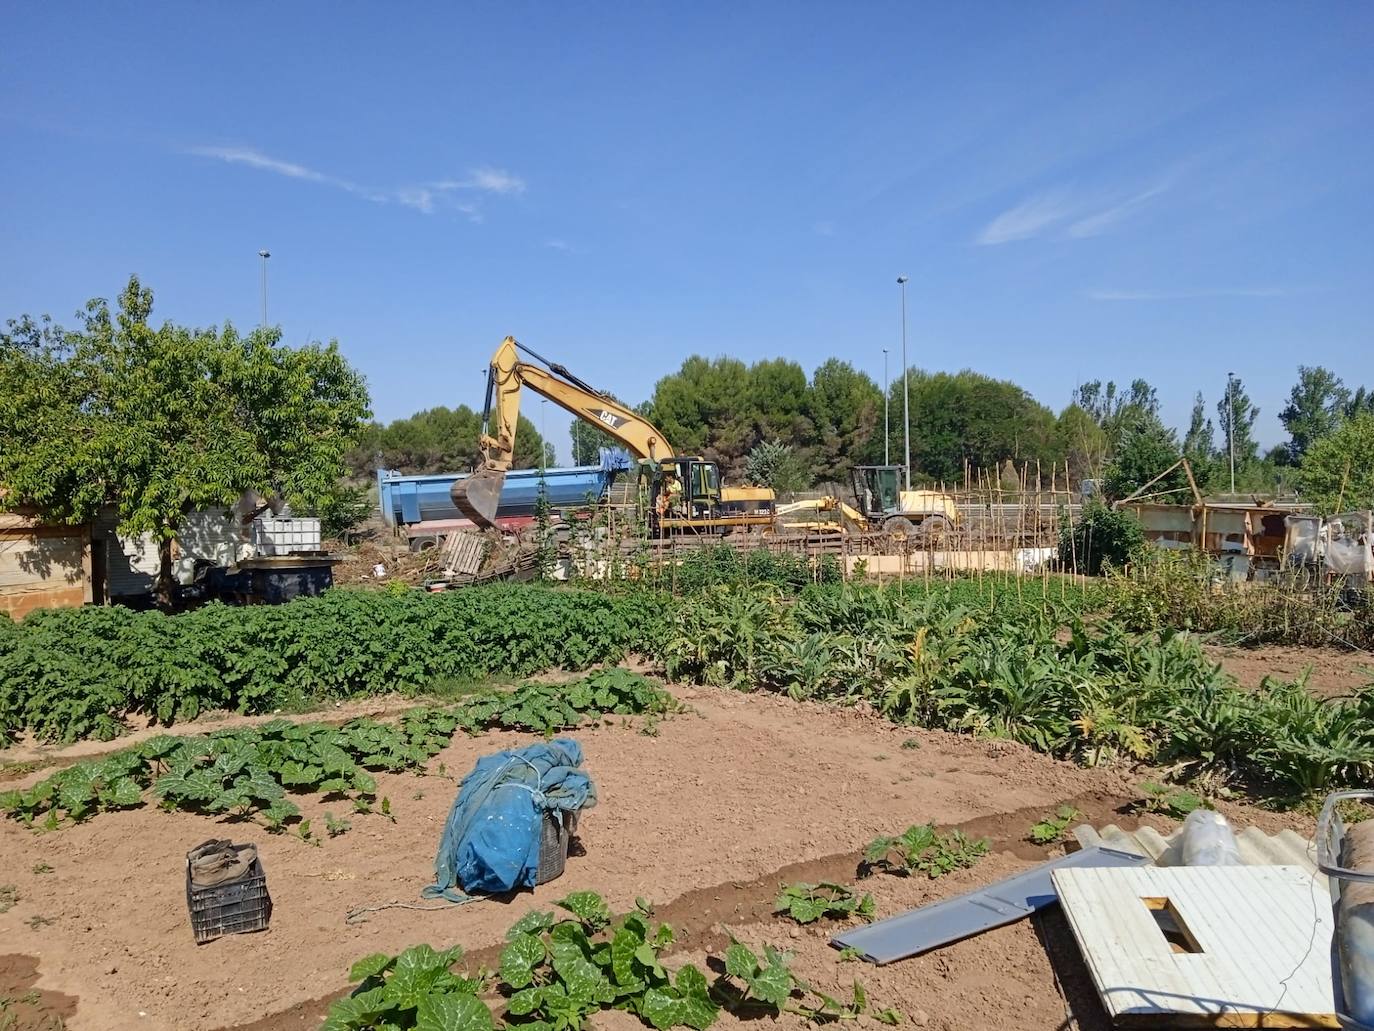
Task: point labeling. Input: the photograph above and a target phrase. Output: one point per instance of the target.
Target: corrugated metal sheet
(130, 565)
(1286, 848)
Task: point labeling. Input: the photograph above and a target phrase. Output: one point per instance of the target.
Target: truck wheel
(934, 527)
(900, 526)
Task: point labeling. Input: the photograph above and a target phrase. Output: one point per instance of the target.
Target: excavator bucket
(477, 496)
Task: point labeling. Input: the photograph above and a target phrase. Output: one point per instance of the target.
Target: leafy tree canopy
(1337, 472)
(1316, 406)
(160, 421)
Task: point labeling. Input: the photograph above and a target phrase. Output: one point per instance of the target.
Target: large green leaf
(453, 1013)
(583, 979)
(369, 966)
(355, 1012)
(521, 955)
(587, 906)
(624, 945)
(533, 922)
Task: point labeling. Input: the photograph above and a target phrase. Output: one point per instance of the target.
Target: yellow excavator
(683, 494)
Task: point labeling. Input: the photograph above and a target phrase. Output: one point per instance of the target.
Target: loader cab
(877, 489)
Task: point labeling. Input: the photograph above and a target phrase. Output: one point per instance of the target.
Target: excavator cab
(876, 490)
(685, 487)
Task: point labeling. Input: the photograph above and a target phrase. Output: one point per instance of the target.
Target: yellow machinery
(881, 506)
(907, 512)
(684, 493)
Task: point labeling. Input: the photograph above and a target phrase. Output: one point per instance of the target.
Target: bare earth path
(706, 817)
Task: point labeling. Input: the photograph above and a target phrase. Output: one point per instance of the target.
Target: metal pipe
(887, 437)
(1231, 425)
(906, 389)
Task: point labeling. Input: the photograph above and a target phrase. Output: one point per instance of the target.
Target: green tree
(845, 411)
(587, 442)
(1144, 453)
(1117, 412)
(705, 408)
(967, 417)
(1081, 443)
(1316, 406)
(1235, 410)
(1360, 401)
(1101, 536)
(1199, 444)
(777, 465)
(159, 422)
(1337, 472)
(436, 440)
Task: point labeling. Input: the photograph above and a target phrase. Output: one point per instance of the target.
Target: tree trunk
(164, 572)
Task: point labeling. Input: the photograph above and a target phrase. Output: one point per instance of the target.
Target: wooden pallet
(462, 554)
(1205, 946)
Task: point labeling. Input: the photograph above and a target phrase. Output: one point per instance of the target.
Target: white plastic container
(285, 536)
(1208, 840)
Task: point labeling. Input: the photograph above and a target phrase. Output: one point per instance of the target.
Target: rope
(359, 914)
(1311, 941)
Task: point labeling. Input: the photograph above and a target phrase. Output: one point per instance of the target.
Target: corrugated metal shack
(42, 565)
(1258, 539)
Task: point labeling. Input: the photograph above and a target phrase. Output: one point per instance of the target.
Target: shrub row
(74, 673)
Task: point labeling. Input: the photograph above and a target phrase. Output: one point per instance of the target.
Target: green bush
(1100, 537)
(1185, 590)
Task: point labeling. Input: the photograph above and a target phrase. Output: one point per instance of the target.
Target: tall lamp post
(906, 390)
(1231, 425)
(264, 255)
(887, 444)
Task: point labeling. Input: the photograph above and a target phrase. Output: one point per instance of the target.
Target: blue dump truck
(422, 508)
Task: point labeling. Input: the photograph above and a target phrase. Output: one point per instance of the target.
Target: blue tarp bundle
(491, 840)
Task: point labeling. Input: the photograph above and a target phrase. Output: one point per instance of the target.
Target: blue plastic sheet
(492, 836)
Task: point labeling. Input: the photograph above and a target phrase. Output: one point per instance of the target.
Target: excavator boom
(477, 496)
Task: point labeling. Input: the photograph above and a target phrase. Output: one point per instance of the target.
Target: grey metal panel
(1005, 902)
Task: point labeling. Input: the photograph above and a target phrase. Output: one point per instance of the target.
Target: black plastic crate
(233, 908)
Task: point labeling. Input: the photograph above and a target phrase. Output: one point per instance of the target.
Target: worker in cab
(670, 496)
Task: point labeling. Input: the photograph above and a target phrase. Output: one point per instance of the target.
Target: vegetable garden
(1038, 666)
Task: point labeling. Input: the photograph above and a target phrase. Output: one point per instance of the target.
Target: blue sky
(1102, 190)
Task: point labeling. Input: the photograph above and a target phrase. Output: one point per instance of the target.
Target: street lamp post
(887, 457)
(906, 390)
(1231, 425)
(264, 255)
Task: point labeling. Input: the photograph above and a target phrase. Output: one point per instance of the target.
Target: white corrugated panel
(130, 565)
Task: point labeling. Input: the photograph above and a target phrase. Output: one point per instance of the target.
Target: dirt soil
(1334, 672)
(706, 813)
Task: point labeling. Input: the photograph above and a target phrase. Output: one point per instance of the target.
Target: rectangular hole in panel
(1172, 925)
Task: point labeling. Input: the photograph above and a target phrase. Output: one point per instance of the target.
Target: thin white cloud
(426, 198)
(1079, 216)
(824, 228)
(1028, 219)
(255, 159)
(1186, 295)
(488, 180)
(496, 180)
(1099, 223)
(558, 245)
